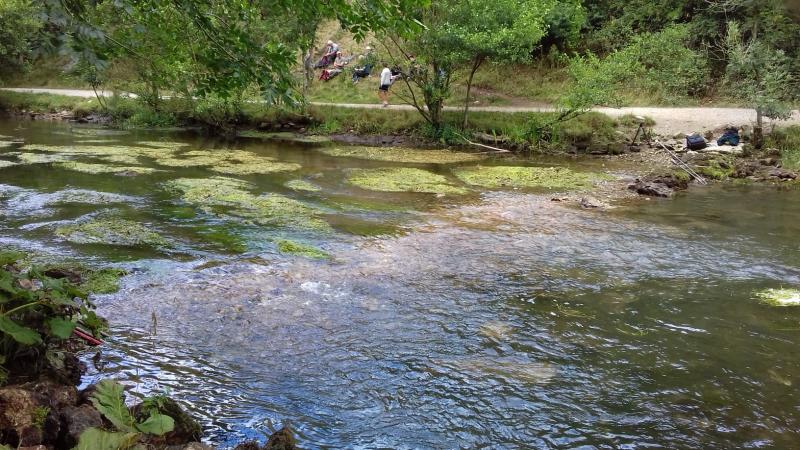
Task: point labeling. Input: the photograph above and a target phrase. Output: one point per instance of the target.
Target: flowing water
(495, 319)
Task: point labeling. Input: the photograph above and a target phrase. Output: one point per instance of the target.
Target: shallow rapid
(487, 318)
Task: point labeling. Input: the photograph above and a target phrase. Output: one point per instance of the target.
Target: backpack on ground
(695, 142)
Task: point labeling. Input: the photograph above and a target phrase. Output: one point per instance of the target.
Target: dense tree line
(225, 50)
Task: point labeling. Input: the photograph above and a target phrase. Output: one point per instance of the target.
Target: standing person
(386, 81)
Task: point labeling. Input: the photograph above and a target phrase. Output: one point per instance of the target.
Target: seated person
(363, 71)
(331, 52)
(730, 137)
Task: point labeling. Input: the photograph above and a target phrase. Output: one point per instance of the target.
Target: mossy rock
(103, 281)
(110, 231)
(527, 177)
(93, 281)
(719, 168)
(780, 297)
(236, 200)
(402, 155)
(286, 246)
(302, 185)
(402, 179)
(104, 168)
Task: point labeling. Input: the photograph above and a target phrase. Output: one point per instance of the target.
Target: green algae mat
(780, 297)
(402, 155)
(111, 231)
(229, 196)
(527, 177)
(402, 179)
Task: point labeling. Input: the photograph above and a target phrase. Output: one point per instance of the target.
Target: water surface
(495, 319)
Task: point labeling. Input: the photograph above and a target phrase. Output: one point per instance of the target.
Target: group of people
(333, 63)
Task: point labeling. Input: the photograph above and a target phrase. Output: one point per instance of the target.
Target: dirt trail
(669, 120)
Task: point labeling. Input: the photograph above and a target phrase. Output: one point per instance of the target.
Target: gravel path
(669, 120)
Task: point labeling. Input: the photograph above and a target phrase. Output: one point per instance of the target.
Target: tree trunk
(475, 65)
(758, 130)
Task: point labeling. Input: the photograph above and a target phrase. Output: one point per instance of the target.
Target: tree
(18, 27)
(465, 34)
(762, 75)
(206, 47)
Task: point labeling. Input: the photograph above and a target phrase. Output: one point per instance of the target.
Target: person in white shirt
(386, 81)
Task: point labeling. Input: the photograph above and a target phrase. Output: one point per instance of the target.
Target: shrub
(38, 314)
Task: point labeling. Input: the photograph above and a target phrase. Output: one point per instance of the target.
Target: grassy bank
(590, 130)
(787, 140)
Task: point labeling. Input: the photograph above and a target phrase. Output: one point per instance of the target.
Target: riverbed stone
(782, 174)
(651, 189)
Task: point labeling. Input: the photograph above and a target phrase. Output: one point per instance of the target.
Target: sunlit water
(500, 319)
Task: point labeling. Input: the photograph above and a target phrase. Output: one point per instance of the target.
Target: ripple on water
(541, 332)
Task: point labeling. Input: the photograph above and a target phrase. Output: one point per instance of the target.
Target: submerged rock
(111, 231)
(402, 179)
(405, 155)
(528, 177)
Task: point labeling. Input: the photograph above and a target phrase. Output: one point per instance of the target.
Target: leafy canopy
(200, 47)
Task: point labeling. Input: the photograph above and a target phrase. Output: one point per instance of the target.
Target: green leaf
(21, 334)
(108, 399)
(7, 282)
(96, 439)
(60, 327)
(157, 424)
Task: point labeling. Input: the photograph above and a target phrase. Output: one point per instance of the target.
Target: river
(493, 319)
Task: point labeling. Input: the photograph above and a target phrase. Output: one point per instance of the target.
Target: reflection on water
(502, 319)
